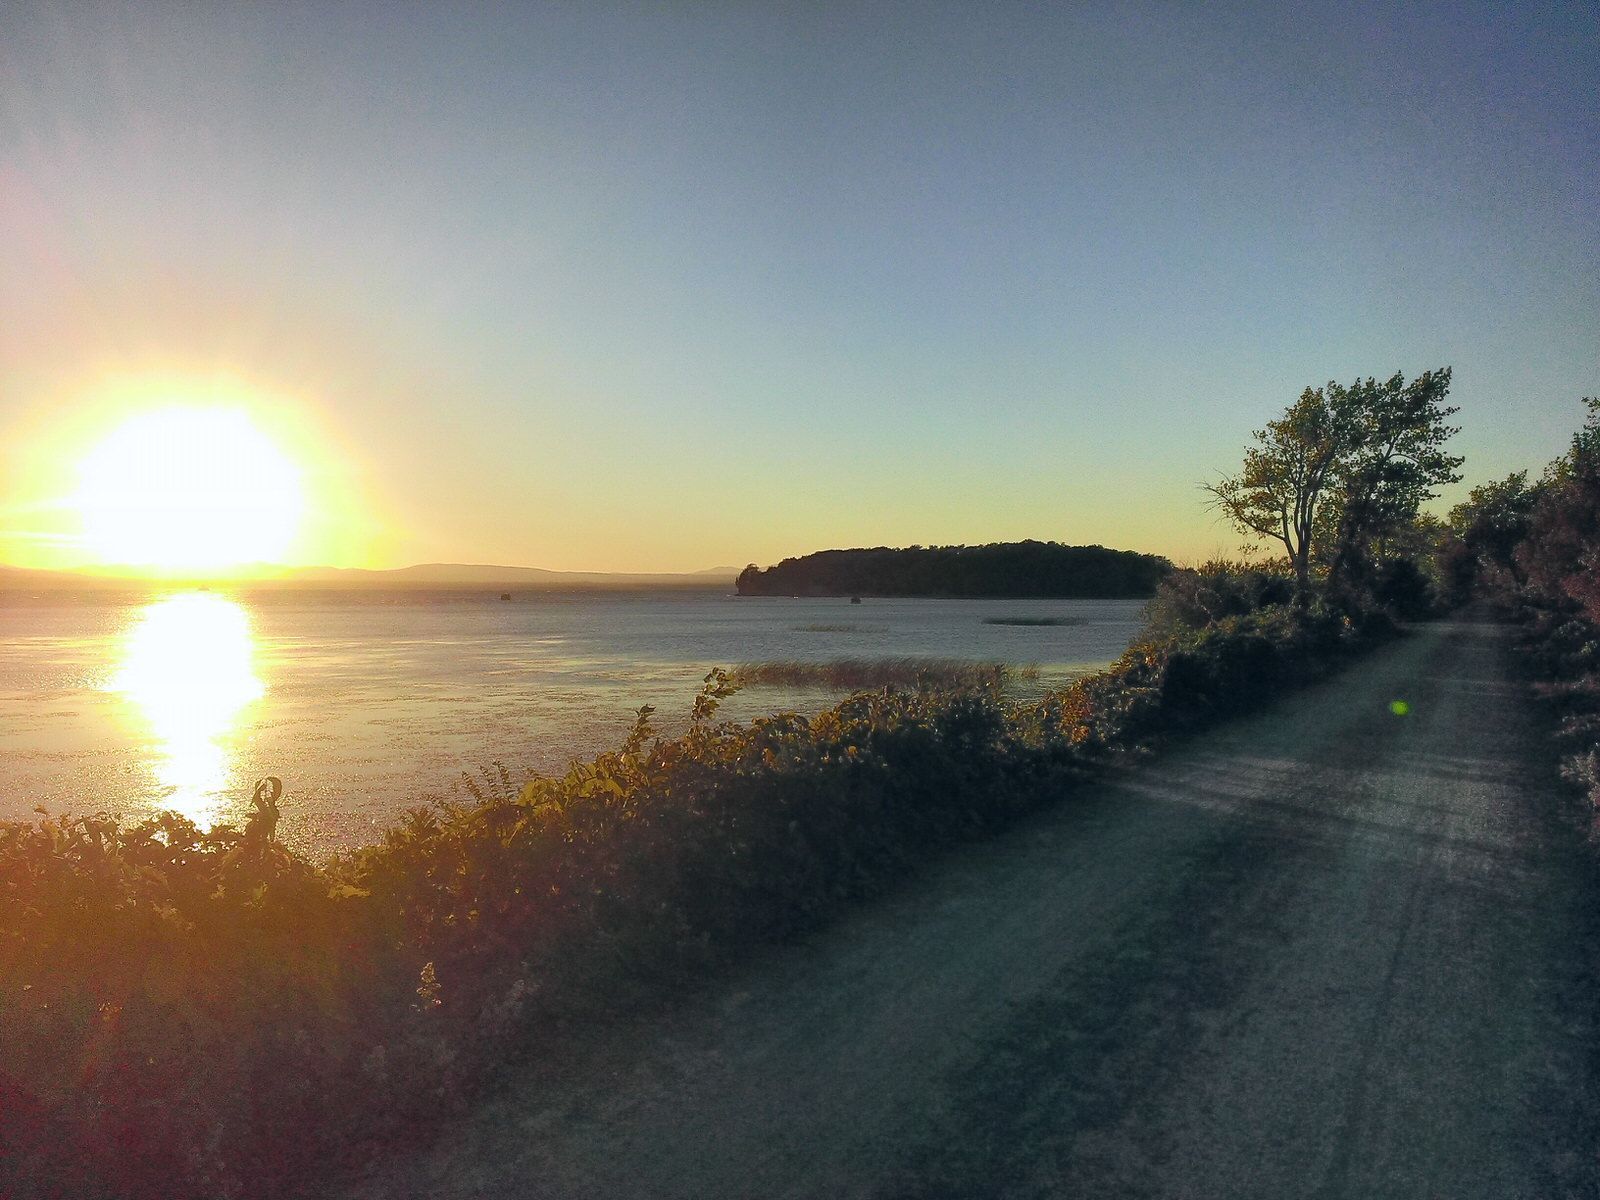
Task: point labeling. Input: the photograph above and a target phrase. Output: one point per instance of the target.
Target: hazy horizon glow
(607, 288)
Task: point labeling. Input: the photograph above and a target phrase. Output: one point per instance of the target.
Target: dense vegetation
(1013, 569)
(190, 1013)
(1536, 548)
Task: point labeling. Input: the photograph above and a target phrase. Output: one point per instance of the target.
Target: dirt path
(1327, 952)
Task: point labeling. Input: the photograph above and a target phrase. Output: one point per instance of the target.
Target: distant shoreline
(999, 571)
(137, 592)
(441, 577)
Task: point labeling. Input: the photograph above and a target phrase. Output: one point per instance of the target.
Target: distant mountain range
(444, 575)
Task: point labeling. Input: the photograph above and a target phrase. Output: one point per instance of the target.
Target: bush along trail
(1535, 548)
(188, 1013)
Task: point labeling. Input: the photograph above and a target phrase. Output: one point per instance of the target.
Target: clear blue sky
(673, 286)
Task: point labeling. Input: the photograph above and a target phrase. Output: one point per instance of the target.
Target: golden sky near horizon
(163, 473)
(137, 470)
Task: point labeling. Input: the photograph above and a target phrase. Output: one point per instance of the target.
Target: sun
(189, 488)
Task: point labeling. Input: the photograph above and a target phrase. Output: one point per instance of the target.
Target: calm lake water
(367, 704)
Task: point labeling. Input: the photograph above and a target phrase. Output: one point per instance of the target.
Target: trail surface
(1325, 952)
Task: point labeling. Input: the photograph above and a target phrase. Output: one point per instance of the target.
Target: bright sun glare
(187, 662)
(189, 488)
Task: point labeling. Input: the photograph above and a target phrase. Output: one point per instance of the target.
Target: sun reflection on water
(187, 664)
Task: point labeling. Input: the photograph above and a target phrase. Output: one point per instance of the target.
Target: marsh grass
(1034, 621)
(872, 673)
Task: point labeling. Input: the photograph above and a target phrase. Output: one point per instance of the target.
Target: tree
(1343, 469)
(1394, 463)
(1493, 521)
(1561, 554)
(1279, 492)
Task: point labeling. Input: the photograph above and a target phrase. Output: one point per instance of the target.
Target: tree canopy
(1345, 468)
(1561, 554)
(1493, 520)
(1001, 569)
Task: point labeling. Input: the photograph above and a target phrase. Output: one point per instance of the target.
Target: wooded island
(1011, 569)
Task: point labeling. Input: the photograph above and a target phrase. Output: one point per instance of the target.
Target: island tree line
(1010, 569)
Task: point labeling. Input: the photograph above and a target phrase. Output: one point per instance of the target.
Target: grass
(1033, 621)
(872, 673)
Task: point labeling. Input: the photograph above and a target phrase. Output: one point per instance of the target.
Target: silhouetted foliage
(1343, 469)
(1012, 569)
(1552, 582)
(1192, 599)
(1396, 463)
(1403, 588)
(1493, 521)
(1560, 556)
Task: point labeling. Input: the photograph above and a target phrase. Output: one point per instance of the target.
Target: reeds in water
(859, 674)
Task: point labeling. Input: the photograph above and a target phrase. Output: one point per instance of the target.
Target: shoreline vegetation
(860, 674)
(1013, 570)
(191, 1013)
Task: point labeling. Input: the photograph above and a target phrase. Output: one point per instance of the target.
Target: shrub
(1193, 599)
(1558, 600)
(1404, 589)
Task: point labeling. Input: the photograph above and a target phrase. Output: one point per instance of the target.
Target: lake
(367, 703)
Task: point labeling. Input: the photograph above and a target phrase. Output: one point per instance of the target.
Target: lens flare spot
(1399, 707)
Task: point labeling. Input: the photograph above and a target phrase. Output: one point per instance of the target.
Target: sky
(667, 287)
